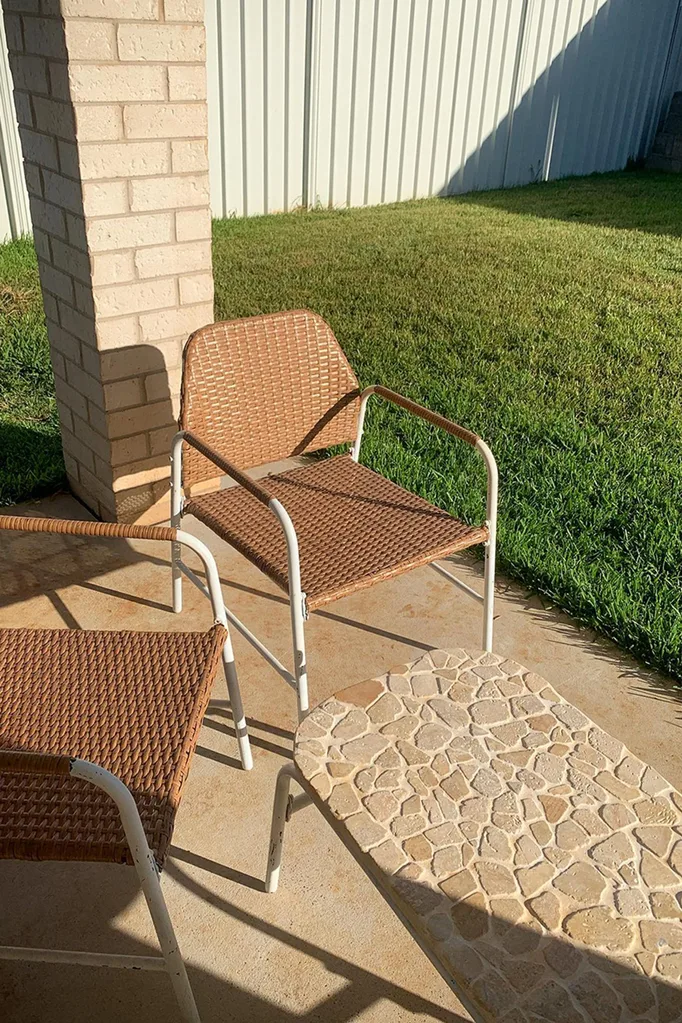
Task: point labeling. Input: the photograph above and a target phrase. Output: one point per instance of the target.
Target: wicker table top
(535, 856)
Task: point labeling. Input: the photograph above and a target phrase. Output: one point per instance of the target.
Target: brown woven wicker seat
(132, 701)
(354, 527)
(264, 388)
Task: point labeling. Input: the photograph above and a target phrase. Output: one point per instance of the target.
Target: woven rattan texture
(263, 388)
(131, 702)
(354, 527)
(77, 527)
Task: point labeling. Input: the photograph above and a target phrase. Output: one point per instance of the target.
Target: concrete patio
(325, 947)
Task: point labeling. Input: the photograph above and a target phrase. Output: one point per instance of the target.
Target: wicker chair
(261, 389)
(97, 731)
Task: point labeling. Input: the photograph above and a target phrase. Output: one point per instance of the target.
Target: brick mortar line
(171, 210)
(68, 273)
(178, 275)
(170, 175)
(66, 61)
(101, 218)
(145, 312)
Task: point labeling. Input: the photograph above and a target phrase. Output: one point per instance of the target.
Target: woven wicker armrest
(22, 762)
(78, 527)
(418, 410)
(228, 468)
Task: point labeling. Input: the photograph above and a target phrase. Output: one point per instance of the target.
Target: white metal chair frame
(170, 959)
(298, 679)
(284, 806)
(147, 870)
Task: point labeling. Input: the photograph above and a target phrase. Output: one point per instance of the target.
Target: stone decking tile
(533, 853)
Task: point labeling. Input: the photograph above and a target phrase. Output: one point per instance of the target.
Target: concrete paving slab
(325, 947)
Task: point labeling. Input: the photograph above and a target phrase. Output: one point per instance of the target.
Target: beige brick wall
(111, 100)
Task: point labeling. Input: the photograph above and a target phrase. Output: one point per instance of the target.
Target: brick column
(111, 102)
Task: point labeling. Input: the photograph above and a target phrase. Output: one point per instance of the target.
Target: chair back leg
(490, 547)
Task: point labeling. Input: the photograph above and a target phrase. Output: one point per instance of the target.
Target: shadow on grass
(649, 201)
(31, 461)
(561, 128)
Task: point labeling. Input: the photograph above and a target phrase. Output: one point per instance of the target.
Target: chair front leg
(280, 816)
(213, 590)
(148, 876)
(490, 547)
(297, 605)
(176, 519)
(235, 698)
(488, 595)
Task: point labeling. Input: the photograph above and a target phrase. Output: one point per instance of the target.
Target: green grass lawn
(30, 450)
(548, 319)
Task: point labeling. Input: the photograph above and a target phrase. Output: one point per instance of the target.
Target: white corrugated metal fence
(353, 102)
(15, 218)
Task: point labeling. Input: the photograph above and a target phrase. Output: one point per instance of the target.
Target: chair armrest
(78, 527)
(228, 468)
(454, 429)
(23, 762)
(418, 410)
(296, 596)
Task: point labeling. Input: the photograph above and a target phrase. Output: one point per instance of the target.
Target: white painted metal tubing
(213, 588)
(176, 518)
(296, 596)
(215, 594)
(491, 522)
(355, 450)
(236, 705)
(490, 547)
(148, 875)
(299, 802)
(458, 582)
(65, 956)
(245, 632)
(279, 820)
(296, 604)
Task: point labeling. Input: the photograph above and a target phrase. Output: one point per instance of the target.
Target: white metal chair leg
(158, 910)
(488, 595)
(148, 875)
(214, 592)
(235, 698)
(280, 814)
(491, 522)
(300, 665)
(175, 521)
(177, 574)
(297, 606)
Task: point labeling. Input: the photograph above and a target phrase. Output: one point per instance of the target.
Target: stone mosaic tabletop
(532, 852)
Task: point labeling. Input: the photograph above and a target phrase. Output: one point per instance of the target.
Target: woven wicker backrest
(263, 388)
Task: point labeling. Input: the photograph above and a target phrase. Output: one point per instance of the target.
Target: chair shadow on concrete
(33, 564)
(505, 965)
(52, 904)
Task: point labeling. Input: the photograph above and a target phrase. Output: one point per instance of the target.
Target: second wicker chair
(261, 389)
